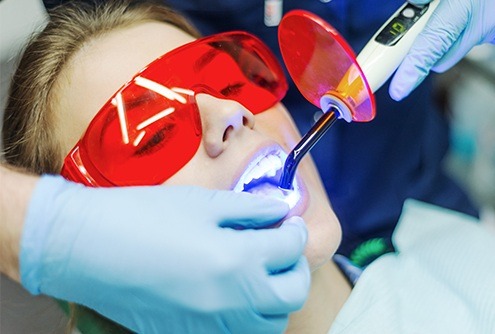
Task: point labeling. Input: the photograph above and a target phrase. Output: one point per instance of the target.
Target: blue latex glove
(160, 260)
(454, 28)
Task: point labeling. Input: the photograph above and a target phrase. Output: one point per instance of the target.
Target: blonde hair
(28, 120)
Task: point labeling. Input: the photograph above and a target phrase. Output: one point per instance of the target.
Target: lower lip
(296, 199)
(291, 197)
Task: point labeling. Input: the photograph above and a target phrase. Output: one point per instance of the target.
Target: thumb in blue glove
(159, 259)
(454, 28)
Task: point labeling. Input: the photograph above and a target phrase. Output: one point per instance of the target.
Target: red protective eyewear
(151, 127)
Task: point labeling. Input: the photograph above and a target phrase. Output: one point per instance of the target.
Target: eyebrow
(205, 59)
(159, 89)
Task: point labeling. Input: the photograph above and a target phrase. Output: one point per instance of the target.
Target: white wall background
(18, 19)
(21, 313)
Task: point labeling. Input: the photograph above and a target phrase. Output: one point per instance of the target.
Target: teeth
(260, 169)
(276, 164)
(265, 166)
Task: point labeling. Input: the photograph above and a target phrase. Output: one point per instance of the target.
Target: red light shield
(321, 62)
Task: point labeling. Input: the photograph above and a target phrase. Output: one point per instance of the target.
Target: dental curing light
(328, 74)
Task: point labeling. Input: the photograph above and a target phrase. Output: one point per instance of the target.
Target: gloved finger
(456, 52)
(244, 322)
(438, 36)
(246, 210)
(228, 208)
(288, 290)
(281, 248)
(471, 37)
(419, 2)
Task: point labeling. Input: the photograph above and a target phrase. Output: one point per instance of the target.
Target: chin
(324, 231)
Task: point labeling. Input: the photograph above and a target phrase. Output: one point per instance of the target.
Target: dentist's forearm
(15, 193)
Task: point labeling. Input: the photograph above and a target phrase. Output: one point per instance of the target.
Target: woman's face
(232, 137)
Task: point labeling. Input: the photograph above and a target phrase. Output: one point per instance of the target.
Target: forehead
(102, 66)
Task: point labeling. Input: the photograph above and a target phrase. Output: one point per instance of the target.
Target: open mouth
(262, 177)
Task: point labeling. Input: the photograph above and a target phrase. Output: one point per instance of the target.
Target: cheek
(188, 175)
(324, 235)
(204, 172)
(278, 125)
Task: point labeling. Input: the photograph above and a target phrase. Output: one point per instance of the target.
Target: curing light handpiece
(329, 75)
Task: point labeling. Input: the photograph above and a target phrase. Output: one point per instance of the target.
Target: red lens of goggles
(151, 127)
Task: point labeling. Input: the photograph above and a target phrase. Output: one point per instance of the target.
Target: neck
(328, 293)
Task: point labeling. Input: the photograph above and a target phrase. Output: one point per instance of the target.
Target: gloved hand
(454, 28)
(161, 260)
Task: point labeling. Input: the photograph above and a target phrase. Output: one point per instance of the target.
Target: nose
(222, 120)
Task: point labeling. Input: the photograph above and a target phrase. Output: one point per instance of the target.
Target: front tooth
(275, 161)
(257, 171)
(268, 166)
(265, 165)
(271, 173)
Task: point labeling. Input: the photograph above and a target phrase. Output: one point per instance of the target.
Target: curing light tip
(303, 147)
